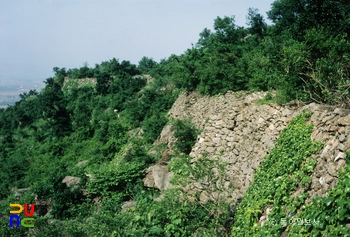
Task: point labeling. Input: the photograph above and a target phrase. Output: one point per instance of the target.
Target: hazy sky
(37, 35)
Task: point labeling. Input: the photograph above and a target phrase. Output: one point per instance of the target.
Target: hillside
(244, 134)
(238, 136)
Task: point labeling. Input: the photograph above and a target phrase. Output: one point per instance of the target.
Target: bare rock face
(71, 181)
(18, 192)
(158, 176)
(166, 136)
(82, 163)
(241, 132)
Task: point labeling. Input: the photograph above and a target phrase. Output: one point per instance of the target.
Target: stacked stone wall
(242, 132)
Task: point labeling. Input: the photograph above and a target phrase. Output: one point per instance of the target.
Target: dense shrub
(186, 135)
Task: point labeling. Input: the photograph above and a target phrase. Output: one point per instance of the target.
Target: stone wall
(242, 133)
(69, 82)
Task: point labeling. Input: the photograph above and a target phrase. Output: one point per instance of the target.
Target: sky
(37, 35)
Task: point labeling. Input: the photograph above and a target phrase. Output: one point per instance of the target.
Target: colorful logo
(28, 212)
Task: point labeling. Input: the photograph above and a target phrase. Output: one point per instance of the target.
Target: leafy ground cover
(286, 169)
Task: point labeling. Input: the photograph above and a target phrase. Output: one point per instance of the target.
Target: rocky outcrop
(243, 132)
(158, 177)
(18, 192)
(166, 136)
(71, 181)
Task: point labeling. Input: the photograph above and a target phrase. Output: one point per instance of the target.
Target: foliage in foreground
(331, 213)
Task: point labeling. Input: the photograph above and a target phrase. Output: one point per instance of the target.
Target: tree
(60, 74)
(297, 16)
(103, 80)
(185, 69)
(128, 68)
(204, 38)
(256, 22)
(225, 28)
(146, 65)
(85, 71)
(53, 106)
(284, 14)
(26, 95)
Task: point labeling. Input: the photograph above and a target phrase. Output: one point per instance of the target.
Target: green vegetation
(186, 134)
(332, 213)
(281, 174)
(46, 134)
(110, 115)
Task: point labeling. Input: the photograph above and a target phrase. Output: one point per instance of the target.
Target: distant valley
(9, 94)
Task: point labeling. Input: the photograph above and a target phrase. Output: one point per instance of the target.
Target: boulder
(71, 181)
(158, 176)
